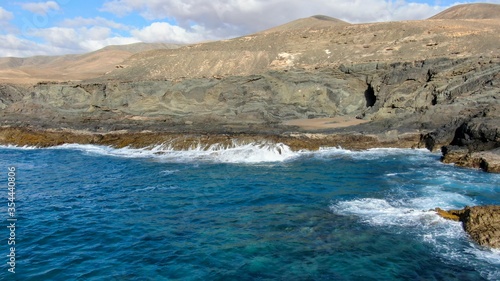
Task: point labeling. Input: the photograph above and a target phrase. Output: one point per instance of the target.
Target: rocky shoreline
(488, 161)
(187, 140)
(431, 84)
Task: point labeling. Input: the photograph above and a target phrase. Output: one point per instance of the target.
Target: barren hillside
(70, 67)
(317, 42)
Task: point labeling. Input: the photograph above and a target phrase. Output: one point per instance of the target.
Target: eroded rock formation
(482, 223)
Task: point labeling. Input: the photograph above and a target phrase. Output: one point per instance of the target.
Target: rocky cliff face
(446, 101)
(426, 94)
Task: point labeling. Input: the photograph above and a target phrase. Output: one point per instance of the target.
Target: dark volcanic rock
(482, 223)
(479, 134)
(476, 144)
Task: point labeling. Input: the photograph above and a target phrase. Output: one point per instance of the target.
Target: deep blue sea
(249, 212)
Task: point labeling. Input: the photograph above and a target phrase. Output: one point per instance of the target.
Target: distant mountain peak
(313, 22)
(323, 17)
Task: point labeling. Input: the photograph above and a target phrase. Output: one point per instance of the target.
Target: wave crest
(233, 153)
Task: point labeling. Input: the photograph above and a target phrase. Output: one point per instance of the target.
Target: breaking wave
(236, 153)
(264, 152)
(415, 217)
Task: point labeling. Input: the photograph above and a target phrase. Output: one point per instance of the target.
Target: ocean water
(247, 212)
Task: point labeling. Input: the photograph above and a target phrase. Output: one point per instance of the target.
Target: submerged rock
(482, 223)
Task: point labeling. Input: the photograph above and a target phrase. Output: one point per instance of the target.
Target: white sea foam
(168, 172)
(489, 268)
(24, 147)
(236, 153)
(370, 154)
(380, 212)
(263, 152)
(436, 196)
(414, 217)
(157, 188)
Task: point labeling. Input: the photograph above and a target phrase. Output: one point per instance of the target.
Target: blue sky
(73, 26)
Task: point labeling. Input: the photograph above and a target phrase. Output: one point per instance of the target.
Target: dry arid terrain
(317, 81)
(70, 67)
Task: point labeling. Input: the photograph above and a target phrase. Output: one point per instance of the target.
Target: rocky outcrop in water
(476, 144)
(482, 223)
(185, 141)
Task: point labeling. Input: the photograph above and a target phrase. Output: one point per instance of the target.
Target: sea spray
(220, 153)
(237, 152)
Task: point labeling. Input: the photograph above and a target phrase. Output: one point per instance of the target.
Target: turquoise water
(254, 212)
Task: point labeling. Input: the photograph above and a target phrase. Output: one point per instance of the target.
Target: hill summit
(470, 11)
(313, 22)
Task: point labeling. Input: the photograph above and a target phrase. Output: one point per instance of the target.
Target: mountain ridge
(308, 48)
(470, 11)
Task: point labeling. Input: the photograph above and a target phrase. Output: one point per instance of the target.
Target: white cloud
(58, 36)
(13, 46)
(92, 45)
(228, 18)
(119, 9)
(238, 17)
(5, 15)
(415, 11)
(79, 40)
(40, 8)
(97, 21)
(165, 32)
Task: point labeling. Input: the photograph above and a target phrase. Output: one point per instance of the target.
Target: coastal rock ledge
(482, 223)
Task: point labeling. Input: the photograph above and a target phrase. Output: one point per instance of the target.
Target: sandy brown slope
(70, 67)
(309, 43)
(470, 11)
(303, 47)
